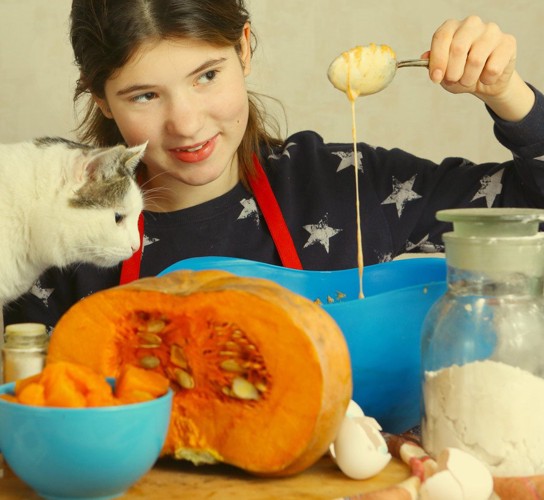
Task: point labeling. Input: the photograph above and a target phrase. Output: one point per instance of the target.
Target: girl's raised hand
(474, 57)
(471, 56)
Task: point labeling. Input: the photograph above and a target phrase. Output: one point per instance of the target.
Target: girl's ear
(103, 105)
(245, 49)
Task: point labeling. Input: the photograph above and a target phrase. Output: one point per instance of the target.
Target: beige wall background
(297, 41)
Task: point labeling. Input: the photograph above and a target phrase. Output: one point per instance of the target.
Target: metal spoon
(365, 70)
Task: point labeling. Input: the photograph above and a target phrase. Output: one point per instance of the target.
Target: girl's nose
(184, 117)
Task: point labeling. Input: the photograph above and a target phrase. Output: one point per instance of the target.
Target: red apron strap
(130, 270)
(274, 218)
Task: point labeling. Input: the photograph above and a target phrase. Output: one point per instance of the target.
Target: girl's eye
(148, 96)
(208, 76)
(119, 218)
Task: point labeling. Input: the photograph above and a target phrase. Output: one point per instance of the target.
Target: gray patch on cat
(44, 142)
(110, 177)
(106, 193)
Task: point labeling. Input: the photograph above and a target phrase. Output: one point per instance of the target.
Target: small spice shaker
(24, 350)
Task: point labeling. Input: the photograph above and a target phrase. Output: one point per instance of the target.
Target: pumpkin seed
(251, 365)
(228, 353)
(220, 328)
(243, 389)
(150, 339)
(149, 362)
(260, 386)
(231, 365)
(229, 345)
(156, 326)
(177, 356)
(184, 379)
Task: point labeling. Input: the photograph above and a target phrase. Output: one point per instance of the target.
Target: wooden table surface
(174, 480)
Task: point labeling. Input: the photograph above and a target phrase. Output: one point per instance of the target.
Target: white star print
(540, 158)
(430, 247)
(148, 241)
(250, 210)
(320, 233)
(386, 257)
(491, 187)
(41, 293)
(347, 160)
(285, 152)
(424, 245)
(402, 194)
(412, 246)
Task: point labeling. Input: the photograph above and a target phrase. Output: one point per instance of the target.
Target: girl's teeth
(192, 150)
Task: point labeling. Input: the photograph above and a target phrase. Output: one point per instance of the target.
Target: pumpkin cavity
(219, 361)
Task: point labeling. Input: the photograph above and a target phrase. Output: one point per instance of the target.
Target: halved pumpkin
(262, 376)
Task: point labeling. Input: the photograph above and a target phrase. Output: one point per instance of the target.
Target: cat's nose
(135, 243)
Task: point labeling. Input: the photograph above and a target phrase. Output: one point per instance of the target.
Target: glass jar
(24, 351)
(483, 342)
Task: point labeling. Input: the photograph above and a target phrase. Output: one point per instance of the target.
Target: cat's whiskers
(101, 258)
(147, 181)
(153, 197)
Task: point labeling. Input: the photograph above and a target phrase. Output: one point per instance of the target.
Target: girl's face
(188, 99)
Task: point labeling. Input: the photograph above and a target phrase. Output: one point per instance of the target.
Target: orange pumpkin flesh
(262, 376)
(72, 385)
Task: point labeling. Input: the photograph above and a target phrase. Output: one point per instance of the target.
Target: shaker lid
(499, 222)
(26, 329)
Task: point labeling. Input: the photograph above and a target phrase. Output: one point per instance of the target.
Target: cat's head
(103, 206)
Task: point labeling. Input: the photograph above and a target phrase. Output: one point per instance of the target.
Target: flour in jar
(490, 409)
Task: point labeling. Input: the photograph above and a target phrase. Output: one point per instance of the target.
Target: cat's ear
(102, 163)
(106, 162)
(132, 156)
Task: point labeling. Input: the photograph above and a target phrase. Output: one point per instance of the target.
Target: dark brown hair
(106, 33)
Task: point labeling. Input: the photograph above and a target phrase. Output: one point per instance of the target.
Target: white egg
(459, 476)
(359, 448)
(354, 410)
(441, 486)
(472, 475)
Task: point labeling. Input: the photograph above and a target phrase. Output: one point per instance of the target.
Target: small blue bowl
(383, 331)
(82, 453)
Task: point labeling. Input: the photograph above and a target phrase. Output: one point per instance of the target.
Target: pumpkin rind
(262, 376)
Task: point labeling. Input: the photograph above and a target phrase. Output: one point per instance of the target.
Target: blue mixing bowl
(383, 331)
(82, 453)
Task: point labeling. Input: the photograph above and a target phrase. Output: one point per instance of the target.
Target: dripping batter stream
(352, 96)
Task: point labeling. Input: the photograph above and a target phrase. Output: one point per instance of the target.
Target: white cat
(62, 203)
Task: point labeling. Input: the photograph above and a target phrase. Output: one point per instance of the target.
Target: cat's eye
(119, 218)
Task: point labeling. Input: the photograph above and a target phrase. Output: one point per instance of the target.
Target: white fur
(38, 226)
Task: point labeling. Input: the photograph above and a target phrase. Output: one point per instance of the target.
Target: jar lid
(493, 222)
(495, 241)
(26, 329)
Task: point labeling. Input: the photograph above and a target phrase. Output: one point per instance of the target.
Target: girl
(219, 182)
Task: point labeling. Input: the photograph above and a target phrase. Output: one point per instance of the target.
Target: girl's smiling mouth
(195, 153)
